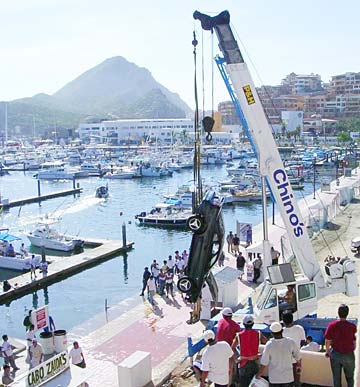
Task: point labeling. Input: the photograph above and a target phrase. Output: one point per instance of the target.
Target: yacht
(46, 236)
(165, 215)
(53, 171)
(121, 173)
(20, 261)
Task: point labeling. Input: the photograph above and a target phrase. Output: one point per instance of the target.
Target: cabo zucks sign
(48, 370)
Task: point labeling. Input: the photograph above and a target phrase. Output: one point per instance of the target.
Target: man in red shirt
(249, 340)
(340, 345)
(227, 328)
(226, 331)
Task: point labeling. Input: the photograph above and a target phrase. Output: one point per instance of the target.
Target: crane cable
(197, 177)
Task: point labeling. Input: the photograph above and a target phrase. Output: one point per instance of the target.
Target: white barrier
(135, 370)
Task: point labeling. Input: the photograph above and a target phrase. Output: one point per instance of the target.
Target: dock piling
(39, 188)
(123, 228)
(73, 180)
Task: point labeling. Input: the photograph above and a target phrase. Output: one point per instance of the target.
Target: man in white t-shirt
(278, 356)
(151, 289)
(30, 335)
(311, 345)
(36, 354)
(76, 354)
(297, 333)
(215, 361)
(7, 352)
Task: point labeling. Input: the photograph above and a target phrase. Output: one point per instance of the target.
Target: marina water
(77, 303)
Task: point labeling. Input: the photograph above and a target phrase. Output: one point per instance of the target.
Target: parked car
(206, 246)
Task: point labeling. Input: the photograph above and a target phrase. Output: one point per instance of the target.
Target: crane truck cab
(270, 304)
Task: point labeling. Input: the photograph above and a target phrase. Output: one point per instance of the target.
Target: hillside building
(297, 84)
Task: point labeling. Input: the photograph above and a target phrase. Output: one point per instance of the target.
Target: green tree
(343, 137)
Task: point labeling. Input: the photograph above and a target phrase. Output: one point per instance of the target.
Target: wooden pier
(61, 267)
(36, 199)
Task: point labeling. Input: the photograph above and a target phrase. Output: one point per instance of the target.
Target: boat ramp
(61, 267)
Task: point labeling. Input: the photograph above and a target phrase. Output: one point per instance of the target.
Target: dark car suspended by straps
(206, 246)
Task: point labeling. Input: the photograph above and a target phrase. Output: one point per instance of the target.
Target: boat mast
(6, 125)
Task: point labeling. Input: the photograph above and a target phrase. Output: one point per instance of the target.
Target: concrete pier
(35, 199)
(64, 266)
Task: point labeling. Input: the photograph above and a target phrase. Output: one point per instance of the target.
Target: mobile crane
(311, 284)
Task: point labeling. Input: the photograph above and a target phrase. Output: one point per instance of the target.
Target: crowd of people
(232, 356)
(160, 277)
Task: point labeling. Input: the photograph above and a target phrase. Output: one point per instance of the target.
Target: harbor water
(79, 300)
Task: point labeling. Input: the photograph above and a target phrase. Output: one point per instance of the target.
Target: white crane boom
(270, 163)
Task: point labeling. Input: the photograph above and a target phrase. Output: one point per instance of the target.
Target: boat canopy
(9, 238)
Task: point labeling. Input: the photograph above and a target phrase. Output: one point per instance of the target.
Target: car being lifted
(206, 247)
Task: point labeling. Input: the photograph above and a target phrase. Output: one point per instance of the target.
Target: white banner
(45, 371)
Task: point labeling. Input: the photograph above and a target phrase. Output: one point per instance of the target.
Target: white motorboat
(53, 171)
(18, 261)
(102, 192)
(46, 236)
(165, 215)
(91, 169)
(120, 173)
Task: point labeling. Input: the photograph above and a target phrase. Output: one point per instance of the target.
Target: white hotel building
(119, 131)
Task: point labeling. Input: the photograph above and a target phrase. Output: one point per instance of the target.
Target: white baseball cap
(227, 312)
(248, 319)
(208, 335)
(276, 327)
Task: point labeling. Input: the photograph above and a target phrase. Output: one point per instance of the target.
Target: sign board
(40, 318)
(325, 186)
(49, 369)
(244, 232)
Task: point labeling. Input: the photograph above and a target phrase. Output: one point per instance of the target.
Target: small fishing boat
(46, 236)
(102, 192)
(165, 215)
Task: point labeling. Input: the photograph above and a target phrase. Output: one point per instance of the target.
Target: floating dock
(61, 267)
(36, 199)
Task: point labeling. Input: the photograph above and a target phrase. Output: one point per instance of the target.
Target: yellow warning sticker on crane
(249, 95)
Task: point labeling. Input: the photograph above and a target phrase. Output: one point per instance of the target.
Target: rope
(197, 177)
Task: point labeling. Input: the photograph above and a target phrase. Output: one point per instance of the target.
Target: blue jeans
(341, 361)
(151, 297)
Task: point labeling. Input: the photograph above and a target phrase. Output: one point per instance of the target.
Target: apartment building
(348, 83)
(302, 83)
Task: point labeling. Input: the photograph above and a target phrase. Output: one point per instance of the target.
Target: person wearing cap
(215, 362)
(226, 331)
(36, 354)
(278, 356)
(227, 328)
(340, 346)
(249, 341)
(297, 333)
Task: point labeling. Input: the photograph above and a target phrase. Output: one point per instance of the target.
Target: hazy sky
(46, 43)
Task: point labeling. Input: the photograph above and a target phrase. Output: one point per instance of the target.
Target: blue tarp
(8, 238)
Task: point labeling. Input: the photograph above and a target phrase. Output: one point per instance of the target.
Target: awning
(9, 238)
